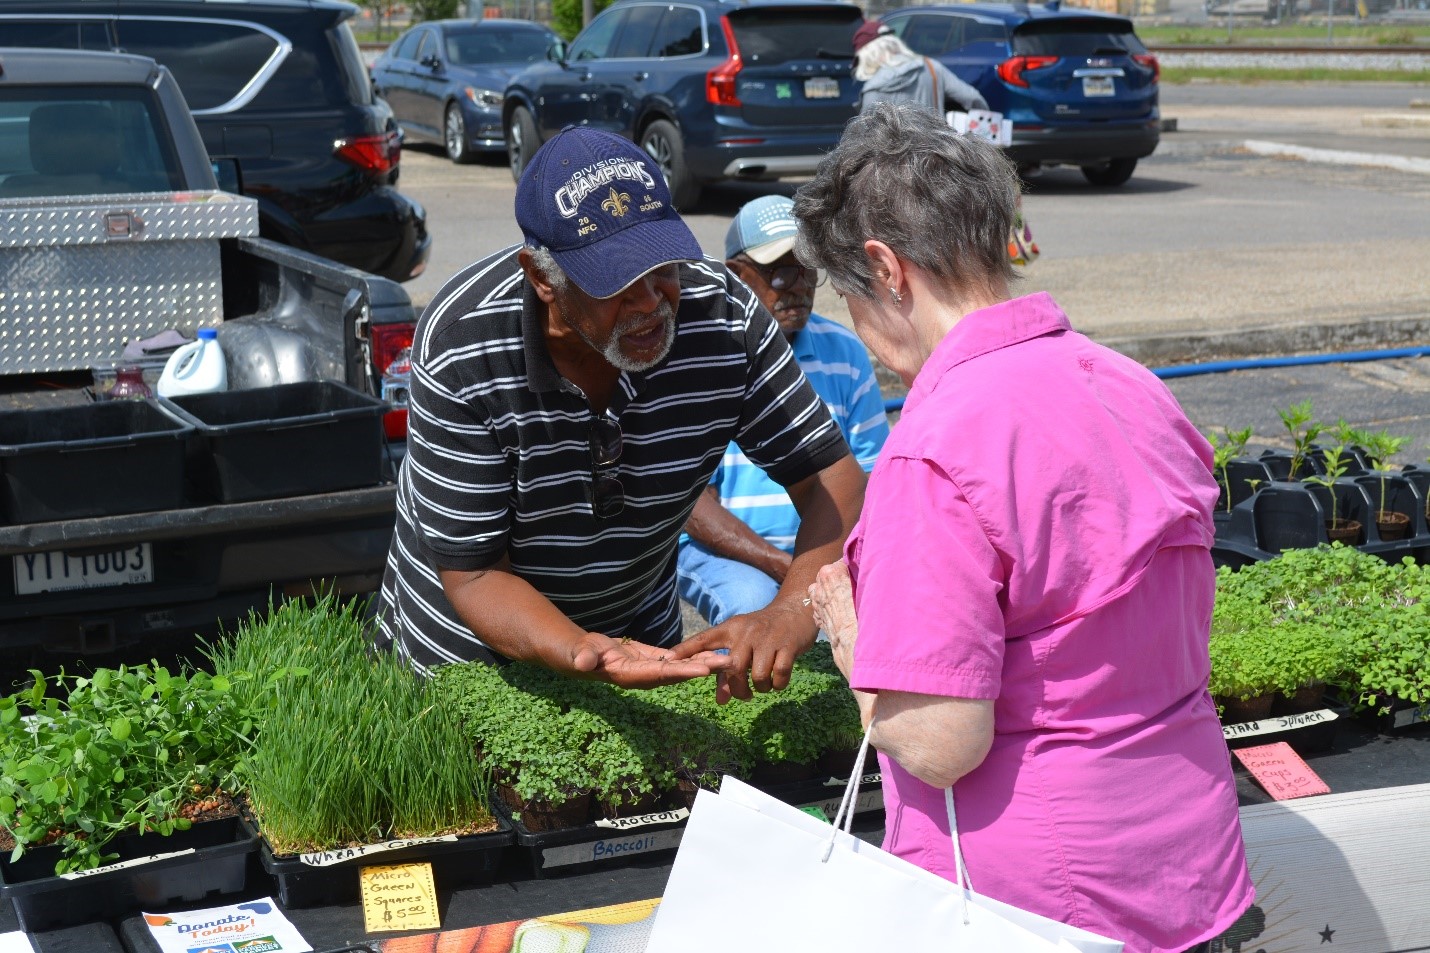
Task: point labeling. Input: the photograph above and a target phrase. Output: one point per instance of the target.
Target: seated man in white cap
(571, 398)
(741, 535)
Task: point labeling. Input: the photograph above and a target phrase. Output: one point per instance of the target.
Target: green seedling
(1302, 429)
(1224, 448)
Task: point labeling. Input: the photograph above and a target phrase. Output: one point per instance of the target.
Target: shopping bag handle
(844, 820)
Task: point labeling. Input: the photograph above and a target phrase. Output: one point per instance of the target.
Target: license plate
(821, 87)
(59, 571)
(1098, 86)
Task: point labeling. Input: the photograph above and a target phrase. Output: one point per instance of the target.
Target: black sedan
(444, 79)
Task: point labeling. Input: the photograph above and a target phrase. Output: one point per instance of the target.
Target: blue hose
(1219, 367)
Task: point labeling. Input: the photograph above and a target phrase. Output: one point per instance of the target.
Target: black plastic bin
(97, 459)
(286, 440)
(210, 858)
(333, 878)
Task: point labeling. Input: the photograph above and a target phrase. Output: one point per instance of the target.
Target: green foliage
(1251, 33)
(1348, 436)
(126, 750)
(435, 9)
(550, 737)
(1302, 429)
(1224, 448)
(1253, 75)
(1331, 613)
(1336, 465)
(351, 748)
(566, 16)
(1380, 447)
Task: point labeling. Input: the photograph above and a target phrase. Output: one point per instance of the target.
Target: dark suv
(280, 93)
(1078, 86)
(712, 89)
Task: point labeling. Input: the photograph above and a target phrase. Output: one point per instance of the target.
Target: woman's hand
(831, 596)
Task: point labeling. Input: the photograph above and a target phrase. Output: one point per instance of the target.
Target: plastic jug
(196, 368)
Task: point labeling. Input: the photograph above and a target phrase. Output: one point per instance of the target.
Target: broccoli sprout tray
(653, 837)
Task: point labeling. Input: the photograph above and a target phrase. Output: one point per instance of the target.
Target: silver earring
(898, 298)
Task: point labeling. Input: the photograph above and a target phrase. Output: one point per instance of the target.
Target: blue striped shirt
(837, 365)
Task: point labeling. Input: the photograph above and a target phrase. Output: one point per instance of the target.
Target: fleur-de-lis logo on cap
(617, 203)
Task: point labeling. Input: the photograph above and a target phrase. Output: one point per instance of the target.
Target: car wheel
(662, 141)
(454, 135)
(521, 142)
(1110, 173)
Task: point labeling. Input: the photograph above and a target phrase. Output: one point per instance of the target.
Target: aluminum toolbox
(82, 276)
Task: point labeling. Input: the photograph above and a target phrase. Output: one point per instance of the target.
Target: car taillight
(378, 154)
(1011, 71)
(391, 358)
(1149, 61)
(720, 81)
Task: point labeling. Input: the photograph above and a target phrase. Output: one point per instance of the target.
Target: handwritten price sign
(1281, 771)
(399, 897)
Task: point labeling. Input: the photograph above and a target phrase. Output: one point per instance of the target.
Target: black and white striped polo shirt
(499, 460)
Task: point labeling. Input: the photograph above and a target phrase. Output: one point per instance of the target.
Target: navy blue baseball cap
(599, 203)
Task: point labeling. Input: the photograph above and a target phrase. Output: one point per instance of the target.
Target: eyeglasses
(787, 276)
(608, 497)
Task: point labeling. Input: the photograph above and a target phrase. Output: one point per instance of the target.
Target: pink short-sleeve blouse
(1037, 532)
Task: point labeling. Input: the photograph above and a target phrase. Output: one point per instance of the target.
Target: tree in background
(437, 9)
(566, 16)
(382, 12)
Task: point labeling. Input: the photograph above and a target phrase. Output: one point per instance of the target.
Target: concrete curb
(1396, 120)
(1411, 164)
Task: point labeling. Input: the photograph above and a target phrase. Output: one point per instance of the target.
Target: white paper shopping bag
(795, 883)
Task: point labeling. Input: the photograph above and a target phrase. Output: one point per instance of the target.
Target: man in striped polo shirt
(570, 399)
(741, 535)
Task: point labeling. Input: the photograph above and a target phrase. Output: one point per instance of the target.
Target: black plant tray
(633, 840)
(1306, 733)
(331, 877)
(1403, 716)
(611, 843)
(153, 871)
(825, 794)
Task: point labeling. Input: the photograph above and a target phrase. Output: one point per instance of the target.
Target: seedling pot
(1341, 530)
(1236, 710)
(1392, 526)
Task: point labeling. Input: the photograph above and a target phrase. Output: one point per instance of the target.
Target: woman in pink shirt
(1031, 581)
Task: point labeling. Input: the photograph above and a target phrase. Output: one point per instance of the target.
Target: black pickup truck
(112, 230)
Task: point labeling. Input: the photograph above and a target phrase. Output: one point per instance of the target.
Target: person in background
(742, 532)
(571, 398)
(893, 73)
(1023, 609)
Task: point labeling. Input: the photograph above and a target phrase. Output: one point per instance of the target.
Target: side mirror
(432, 62)
(556, 52)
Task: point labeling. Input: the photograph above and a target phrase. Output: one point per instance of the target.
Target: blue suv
(1078, 86)
(712, 89)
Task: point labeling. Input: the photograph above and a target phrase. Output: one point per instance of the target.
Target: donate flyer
(256, 926)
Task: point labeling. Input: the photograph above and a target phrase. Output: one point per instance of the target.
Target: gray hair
(879, 52)
(942, 201)
(544, 263)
